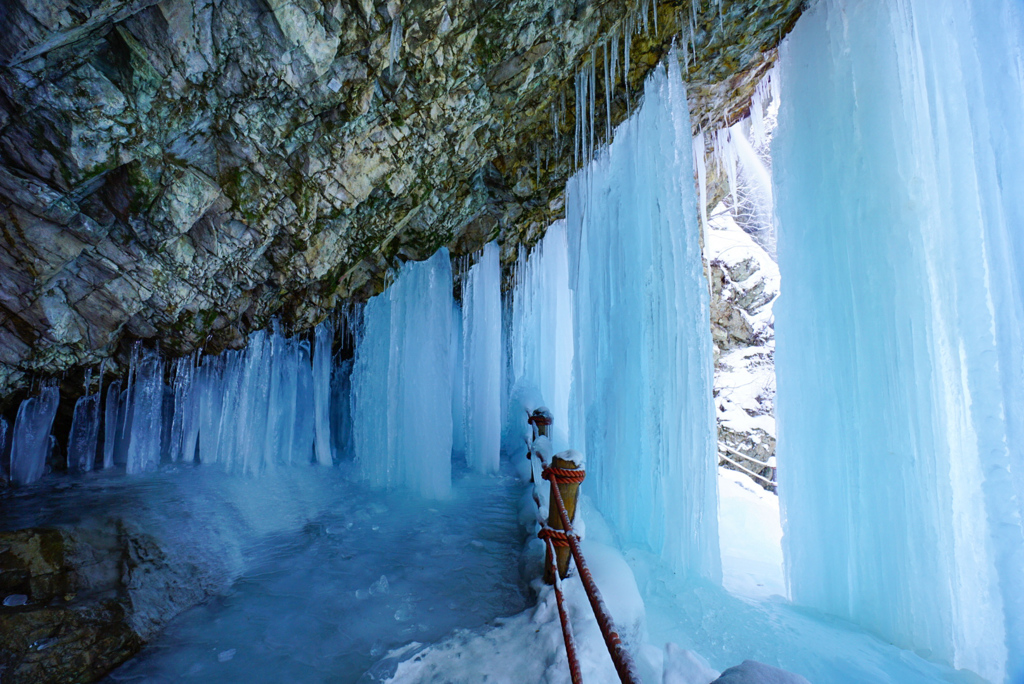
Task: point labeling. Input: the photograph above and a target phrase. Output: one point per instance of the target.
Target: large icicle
(899, 176)
(401, 382)
(643, 368)
(481, 334)
(322, 391)
(31, 443)
(147, 411)
(85, 433)
(541, 339)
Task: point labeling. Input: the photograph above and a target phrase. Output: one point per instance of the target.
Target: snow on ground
(750, 535)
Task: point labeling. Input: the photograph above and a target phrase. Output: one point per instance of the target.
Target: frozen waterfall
(640, 403)
(401, 381)
(899, 332)
(482, 366)
(31, 439)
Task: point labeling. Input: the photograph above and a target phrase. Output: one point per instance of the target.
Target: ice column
(31, 443)
(401, 382)
(541, 336)
(85, 433)
(482, 368)
(146, 410)
(642, 404)
(322, 392)
(898, 177)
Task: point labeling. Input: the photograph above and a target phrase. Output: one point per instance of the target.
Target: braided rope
(564, 475)
(556, 537)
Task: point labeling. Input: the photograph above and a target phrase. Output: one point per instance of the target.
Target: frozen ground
(374, 572)
(323, 576)
(750, 537)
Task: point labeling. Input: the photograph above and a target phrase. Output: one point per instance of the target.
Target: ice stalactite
(458, 384)
(31, 444)
(146, 408)
(482, 366)
(85, 433)
(184, 422)
(540, 337)
(642, 406)
(322, 391)
(113, 423)
(402, 382)
(899, 333)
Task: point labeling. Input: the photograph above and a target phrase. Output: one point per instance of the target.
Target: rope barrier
(567, 635)
(620, 656)
(555, 537)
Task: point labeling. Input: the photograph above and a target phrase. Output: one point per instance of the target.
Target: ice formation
(541, 334)
(85, 433)
(642, 406)
(321, 391)
(401, 382)
(899, 332)
(146, 411)
(482, 365)
(31, 439)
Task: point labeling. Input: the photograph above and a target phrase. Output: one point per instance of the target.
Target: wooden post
(570, 494)
(541, 419)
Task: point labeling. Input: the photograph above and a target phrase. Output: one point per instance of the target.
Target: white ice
(900, 358)
(482, 365)
(402, 382)
(642, 408)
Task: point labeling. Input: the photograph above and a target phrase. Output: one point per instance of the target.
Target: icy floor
(373, 573)
(329, 575)
(750, 535)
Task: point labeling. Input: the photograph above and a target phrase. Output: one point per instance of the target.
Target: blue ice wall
(402, 382)
(899, 184)
(642, 402)
(482, 364)
(540, 343)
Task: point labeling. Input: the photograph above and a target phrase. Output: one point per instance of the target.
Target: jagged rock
(186, 170)
(87, 599)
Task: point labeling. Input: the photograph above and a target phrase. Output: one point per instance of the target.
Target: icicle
(702, 176)
(401, 382)
(85, 430)
(31, 439)
(481, 344)
(147, 402)
(112, 427)
(321, 391)
(645, 370)
(608, 86)
(592, 91)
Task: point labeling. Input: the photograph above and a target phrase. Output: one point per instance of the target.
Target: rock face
(744, 286)
(67, 609)
(186, 170)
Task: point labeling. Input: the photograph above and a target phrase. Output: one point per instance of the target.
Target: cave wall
(184, 171)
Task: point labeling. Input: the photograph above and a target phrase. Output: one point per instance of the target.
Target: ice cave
(541, 341)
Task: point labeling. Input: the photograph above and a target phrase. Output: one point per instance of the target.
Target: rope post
(541, 419)
(569, 487)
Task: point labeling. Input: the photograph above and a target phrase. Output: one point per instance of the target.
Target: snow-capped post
(568, 484)
(541, 420)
